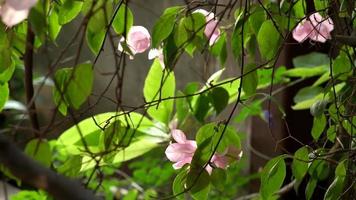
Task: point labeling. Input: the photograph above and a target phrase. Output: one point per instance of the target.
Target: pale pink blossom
(138, 40)
(211, 30)
(15, 11)
(156, 53)
(182, 152)
(315, 28)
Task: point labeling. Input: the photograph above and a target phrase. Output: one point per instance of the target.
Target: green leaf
(220, 99)
(69, 10)
(4, 95)
(53, 25)
(307, 93)
(140, 146)
(272, 177)
(28, 195)
(71, 167)
(5, 60)
(219, 49)
(319, 124)
(96, 30)
(268, 39)
(180, 34)
(300, 163)
(252, 109)
(182, 107)
(319, 169)
(341, 67)
(256, 19)
(159, 84)
(298, 8)
(179, 182)
(208, 136)
(201, 107)
(331, 133)
(91, 129)
(40, 151)
(307, 103)
(37, 19)
(75, 85)
(250, 80)
(131, 195)
(195, 24)
(164, 25)
(309, 190)
(305, 72)
(236, 42)
(7, 73)
(123, 16)
(311, 60)
(336, 187)
(218, 178)
(321, 4)
(199, 182)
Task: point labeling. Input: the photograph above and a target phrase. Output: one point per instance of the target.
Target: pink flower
(315, 28)
(15, 11)
(182, 152)
(138, 40)
(211, 30)
(156, 53)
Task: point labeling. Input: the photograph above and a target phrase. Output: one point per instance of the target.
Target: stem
(28, 62)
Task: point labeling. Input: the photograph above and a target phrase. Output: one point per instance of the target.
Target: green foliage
(68, 10)
(220, 99)
(124, 17)
(198, 180)
(164, 26)
(250, 80)
(40, 151)
(219, 49)
(300, 163)
(159, 84)
(319, 124)
(268, 39)
(73, 86)
(95, 148)
(98, 25)
(335, 189)
(4, 95)
(28, 194)
(272, 177)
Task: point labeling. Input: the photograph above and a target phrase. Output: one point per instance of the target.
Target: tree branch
(28, 62)
(38, 176)
(345, 39)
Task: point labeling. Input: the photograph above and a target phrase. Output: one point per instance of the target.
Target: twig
(28, 62)
(38, 176)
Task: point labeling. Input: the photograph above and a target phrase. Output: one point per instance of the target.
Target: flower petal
(179, 136)
(176, 152)
(182, 162)
(220, 161)
(302, 31)
(138, 39)
(21, 4)
(11, 16)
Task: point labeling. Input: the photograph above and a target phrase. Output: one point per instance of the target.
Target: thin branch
(34, 174)
(28, 62)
